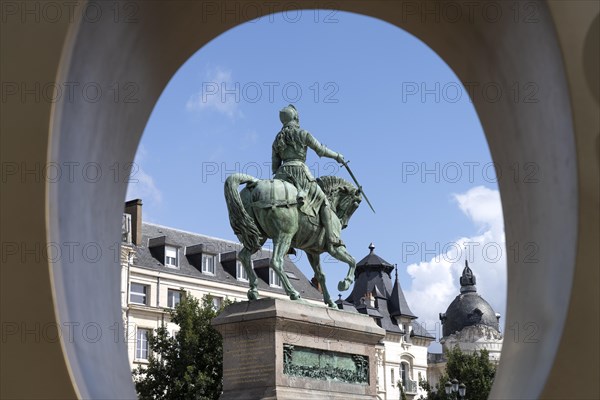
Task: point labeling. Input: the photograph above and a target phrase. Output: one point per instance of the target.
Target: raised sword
(345, 164)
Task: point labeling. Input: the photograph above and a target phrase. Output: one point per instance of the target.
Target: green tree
(402, 393)
(189, 365)
(473, 369)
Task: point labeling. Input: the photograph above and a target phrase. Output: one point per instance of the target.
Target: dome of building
(468, 308)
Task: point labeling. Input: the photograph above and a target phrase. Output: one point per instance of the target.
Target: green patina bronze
(294, 209)
(325, 365)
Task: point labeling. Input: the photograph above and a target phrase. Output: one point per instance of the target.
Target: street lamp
(455, 385)
(455, 388)
(462, 390)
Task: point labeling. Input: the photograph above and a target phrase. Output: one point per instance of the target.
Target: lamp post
(455, 389)
(462, 390)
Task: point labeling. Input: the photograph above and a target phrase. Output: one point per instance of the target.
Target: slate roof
(211, 245)
(373, 275)
(468, 309)
(345, 305)
(398, 304)
(371, 261)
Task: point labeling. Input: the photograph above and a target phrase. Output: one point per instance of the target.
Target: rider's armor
(289, 164)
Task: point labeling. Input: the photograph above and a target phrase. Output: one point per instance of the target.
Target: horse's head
(350, 199)
(343, 197)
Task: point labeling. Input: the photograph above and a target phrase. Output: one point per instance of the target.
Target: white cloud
(141, 184)
(218, 92)
(483, 206)
(435, 283)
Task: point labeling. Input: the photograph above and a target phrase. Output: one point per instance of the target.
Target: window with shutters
(171, 259)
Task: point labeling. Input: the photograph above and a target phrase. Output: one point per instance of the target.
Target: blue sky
(358, 84)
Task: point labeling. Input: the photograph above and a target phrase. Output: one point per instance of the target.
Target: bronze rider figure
(289, 164)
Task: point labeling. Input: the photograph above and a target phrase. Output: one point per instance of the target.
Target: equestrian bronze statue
(294, 209)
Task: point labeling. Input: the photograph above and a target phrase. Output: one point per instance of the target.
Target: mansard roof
(373, 279)
(198, 244)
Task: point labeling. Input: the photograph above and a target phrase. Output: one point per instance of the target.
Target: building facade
(160, 264)
(402, 354)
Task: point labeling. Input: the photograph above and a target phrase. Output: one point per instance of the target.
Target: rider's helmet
(288, 114)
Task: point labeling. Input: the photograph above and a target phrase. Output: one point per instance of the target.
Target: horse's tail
(242, 223)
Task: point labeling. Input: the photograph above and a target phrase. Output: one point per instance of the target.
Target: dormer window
(165, 251)
(262, 268)
(209, 262)
(202, 257)
(171, 257)
(274, 279)
(241, 273)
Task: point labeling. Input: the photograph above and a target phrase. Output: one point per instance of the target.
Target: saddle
(275, 193)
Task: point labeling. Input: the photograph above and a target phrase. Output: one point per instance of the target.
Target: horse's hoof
(331, 304)
(295, 296)
(344, 285)
(252, 295)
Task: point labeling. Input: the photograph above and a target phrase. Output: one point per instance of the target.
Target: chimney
(134, 208)
(317, 285)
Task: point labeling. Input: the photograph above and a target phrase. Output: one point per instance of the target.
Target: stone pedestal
(279, 349)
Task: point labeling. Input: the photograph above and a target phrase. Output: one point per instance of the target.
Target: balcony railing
(410, 387)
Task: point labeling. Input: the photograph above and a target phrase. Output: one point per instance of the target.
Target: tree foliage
(402, 393)
(189, 365)
(475, 370)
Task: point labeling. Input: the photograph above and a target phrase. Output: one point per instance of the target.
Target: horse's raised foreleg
(280, 247)
(244, 256)
(315, 263)
(340, 253)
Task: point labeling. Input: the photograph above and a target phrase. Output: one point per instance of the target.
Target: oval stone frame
(151, 50)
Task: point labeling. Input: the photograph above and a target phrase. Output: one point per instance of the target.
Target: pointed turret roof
(371, 272)
(377, 293)
(397, 302)
(373, 278)
(372, 261)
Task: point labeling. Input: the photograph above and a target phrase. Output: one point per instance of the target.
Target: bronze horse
(269, 209)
